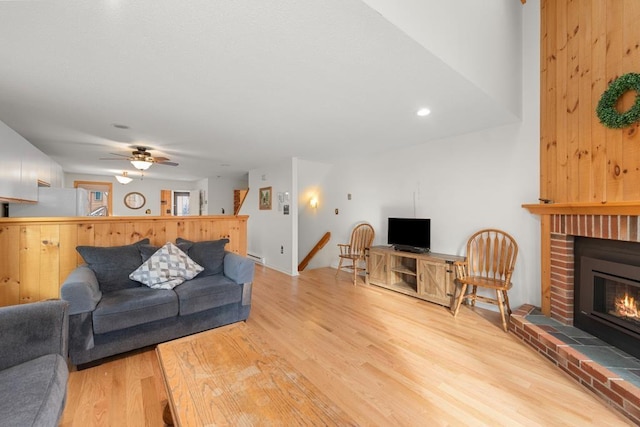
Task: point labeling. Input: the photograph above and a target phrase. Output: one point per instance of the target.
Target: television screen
(410, 234)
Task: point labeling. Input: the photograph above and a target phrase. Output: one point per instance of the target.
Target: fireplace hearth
(607, 291)
(603, 368)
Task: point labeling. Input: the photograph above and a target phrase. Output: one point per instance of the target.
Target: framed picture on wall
(97, 196)
(265, 198)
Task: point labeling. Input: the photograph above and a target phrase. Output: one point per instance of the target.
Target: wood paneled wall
(585, 44)
(37, 254)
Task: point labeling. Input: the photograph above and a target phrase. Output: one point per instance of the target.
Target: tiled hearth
(594, 371)
(578, 355)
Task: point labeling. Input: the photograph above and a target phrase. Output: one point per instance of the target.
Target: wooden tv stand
(428, 276)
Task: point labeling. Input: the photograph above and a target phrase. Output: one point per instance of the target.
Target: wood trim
(13, 200)
(545, 264)
(118, 219)
(607, 208)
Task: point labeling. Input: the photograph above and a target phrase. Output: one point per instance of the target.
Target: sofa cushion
(146, 250)
(134, 306)
(112, 265)
(203, 293)
(166, 268)
(33, 393)
(209, 254)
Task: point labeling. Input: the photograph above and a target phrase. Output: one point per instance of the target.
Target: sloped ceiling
(222, 87)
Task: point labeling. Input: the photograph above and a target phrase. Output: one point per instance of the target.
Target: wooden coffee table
(229, 376)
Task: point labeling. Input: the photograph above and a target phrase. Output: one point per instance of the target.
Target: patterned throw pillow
(166, 268)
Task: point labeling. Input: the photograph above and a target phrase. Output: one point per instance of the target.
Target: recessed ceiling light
(423, 112)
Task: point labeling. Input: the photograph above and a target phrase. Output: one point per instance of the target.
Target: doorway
(239, 197)
(181, 203)
(98, 201)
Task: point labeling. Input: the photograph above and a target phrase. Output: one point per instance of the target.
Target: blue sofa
(33, 363)
(110, 314)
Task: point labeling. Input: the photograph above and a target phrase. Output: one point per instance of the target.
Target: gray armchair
(33, 363)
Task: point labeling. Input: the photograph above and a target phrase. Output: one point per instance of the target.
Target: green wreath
(606, 110)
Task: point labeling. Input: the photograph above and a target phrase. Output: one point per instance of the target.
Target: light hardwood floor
(384, 358)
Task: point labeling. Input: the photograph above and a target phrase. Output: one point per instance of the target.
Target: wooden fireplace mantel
(604, 208)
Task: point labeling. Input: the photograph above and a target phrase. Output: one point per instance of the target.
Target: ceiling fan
(142, 159)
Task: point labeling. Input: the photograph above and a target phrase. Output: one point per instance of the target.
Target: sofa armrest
(238, 268)
(81, 290)
(32, 330)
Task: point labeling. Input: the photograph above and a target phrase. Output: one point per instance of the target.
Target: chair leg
(506, 300)
(355, 271)
(474, 292)
(505, 326)
(339, 266)
(463, 289)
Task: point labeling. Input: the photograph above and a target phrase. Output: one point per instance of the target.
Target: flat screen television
(410, 234)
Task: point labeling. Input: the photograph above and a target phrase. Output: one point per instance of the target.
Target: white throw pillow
(166, 268)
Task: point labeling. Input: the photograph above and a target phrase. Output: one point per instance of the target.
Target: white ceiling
(224, 86)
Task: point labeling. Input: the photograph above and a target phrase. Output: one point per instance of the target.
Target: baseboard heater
(257, 259)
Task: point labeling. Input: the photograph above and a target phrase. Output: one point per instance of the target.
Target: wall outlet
(281, 249)
(337, 211)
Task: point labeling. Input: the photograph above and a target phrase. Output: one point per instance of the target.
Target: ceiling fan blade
(168, 163)
(160, 159)
(107, 158)
(121, 155)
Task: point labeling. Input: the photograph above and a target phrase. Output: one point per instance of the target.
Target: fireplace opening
(616, 300)
(607, 291)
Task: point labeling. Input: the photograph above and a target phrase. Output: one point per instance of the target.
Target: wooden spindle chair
(361, 239)
(491, 256)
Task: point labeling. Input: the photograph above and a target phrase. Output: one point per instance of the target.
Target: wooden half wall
(37, 254)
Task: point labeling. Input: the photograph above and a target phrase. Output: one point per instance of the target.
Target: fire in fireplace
(615, 297)
(607, 291)
(626, 307)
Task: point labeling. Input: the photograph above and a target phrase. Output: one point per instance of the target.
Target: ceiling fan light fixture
(123, 179)
(142, 165)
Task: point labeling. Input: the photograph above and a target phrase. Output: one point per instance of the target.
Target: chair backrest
(361, 238)
(491, 253)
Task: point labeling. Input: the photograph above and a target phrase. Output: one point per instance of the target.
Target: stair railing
(323, 241)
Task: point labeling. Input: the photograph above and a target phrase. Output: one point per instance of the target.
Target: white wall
(270, 230)
(150, 188)
(462, 183)
(220, 194)
(312, 226)
(478, 39)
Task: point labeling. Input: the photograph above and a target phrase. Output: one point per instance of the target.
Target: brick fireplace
(564, 229)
